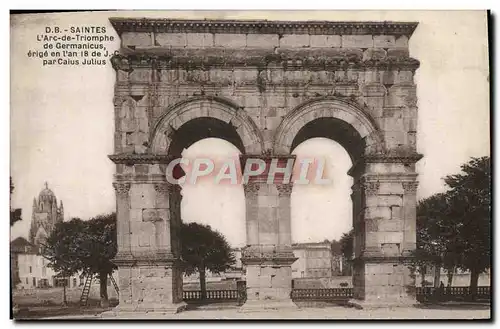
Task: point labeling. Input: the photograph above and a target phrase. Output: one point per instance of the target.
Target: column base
(267, 305)
(381, 303)
(143, 311)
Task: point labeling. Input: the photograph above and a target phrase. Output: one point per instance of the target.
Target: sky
(62, 122)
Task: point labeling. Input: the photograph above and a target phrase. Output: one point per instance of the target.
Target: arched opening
(218, 205)
(201, 128)
(321, 214)
(328, 206)
(222, 206)
(357, 136)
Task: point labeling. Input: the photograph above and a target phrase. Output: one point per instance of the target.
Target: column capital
(122, 188)
(410, 187)
(284, 189)
(370, 187)
(251, 188)
(166, 187)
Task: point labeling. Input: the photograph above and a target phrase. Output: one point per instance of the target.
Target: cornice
(131, 158)
(145, 259)
(262, 26)
(390, 158)
(272, 258)
(316, 63)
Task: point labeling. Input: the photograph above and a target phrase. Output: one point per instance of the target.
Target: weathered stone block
(384, 41)
(390, 249)
(171, 40)
(378, 212)
(394, 123)
(199, 40)
(392, 237)
(357, 41)
(262, 41)
(403, 77)
(145, 236)
(128, 125)
(142, 196)
(266, 237)
(392, 190)
(140, 76)
(394, 139)
(155, 215)
(265, 281)
(274, 100)
(269, 225)
(323, 41)
(221, 77)
(136, 39)
(242, 76)
(402, 41)
(295, 41)
(230, 40)
(374, 54)
(272, 123)
(396, 212)
(398, 53)
(267, 201)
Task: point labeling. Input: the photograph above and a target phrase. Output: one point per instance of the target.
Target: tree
(84, 246)
(470, 193)
(435, 230)
(98, 249)
(15, 214)
(453, 228)
(62, 250)
(347, 250)
(204, 249)
(347, 244)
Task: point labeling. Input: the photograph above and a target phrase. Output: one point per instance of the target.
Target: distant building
(315, 260)
(46, 214)
(29, 267)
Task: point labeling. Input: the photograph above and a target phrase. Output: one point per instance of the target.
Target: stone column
(122, 220)
(149, 275)
(268, 255)
(284, 215)
(410, 217)
(252, 208)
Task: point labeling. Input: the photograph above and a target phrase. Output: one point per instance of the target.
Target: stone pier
(268, 255)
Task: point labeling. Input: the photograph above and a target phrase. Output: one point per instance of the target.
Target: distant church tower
(45, 216)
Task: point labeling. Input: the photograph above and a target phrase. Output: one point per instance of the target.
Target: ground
(318, 313)
(47, 304)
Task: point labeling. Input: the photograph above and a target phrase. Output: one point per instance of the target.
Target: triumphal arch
(264, 86)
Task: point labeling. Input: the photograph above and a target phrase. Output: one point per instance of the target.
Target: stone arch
(216, 108)
(342, 112)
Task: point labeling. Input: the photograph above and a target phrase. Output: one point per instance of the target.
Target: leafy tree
(84, 246)
(347, 244)
(435, 230)
(454, 228)
(347, 250)
(98, 249)
(470, 194)
(62, 251)
(15, 214)
(204, 249)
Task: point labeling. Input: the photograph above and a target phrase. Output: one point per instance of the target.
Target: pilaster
(268, 256)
